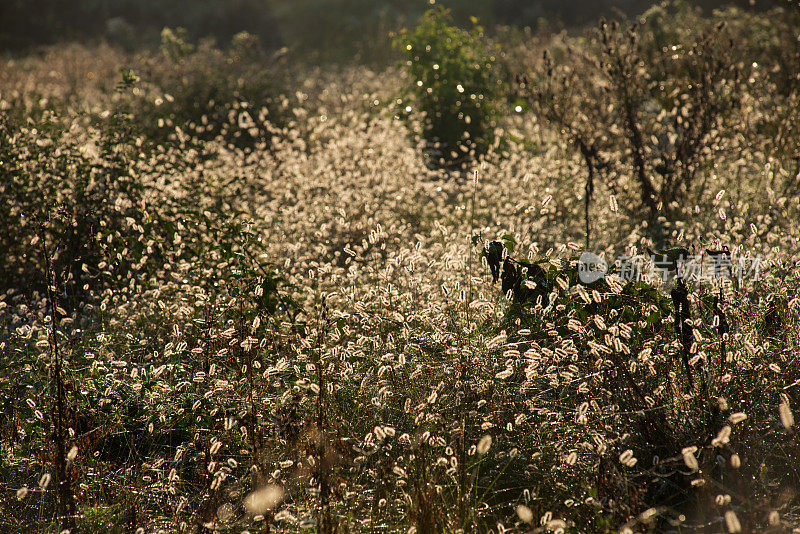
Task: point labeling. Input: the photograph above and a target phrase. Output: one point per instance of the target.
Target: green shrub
(454, 85)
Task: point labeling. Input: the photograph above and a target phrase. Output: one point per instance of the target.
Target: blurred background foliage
(321, 29)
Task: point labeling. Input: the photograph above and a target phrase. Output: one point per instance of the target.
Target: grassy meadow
(245, 293)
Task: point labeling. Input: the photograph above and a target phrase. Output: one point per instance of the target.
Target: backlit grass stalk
(66, 501)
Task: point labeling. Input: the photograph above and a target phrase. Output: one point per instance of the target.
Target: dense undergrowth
(236, 295)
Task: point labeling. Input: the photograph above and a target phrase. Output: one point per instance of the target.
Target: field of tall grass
(243, 294)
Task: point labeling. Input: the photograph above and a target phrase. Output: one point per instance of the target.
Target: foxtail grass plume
(264, 499)
(485, 444)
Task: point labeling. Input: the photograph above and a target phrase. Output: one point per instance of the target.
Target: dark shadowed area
(335, 28)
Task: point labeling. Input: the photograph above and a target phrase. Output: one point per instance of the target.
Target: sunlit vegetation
(239, 293)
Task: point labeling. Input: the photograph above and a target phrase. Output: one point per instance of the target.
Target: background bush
(454, 86)
(203, 93)
(666, 95)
